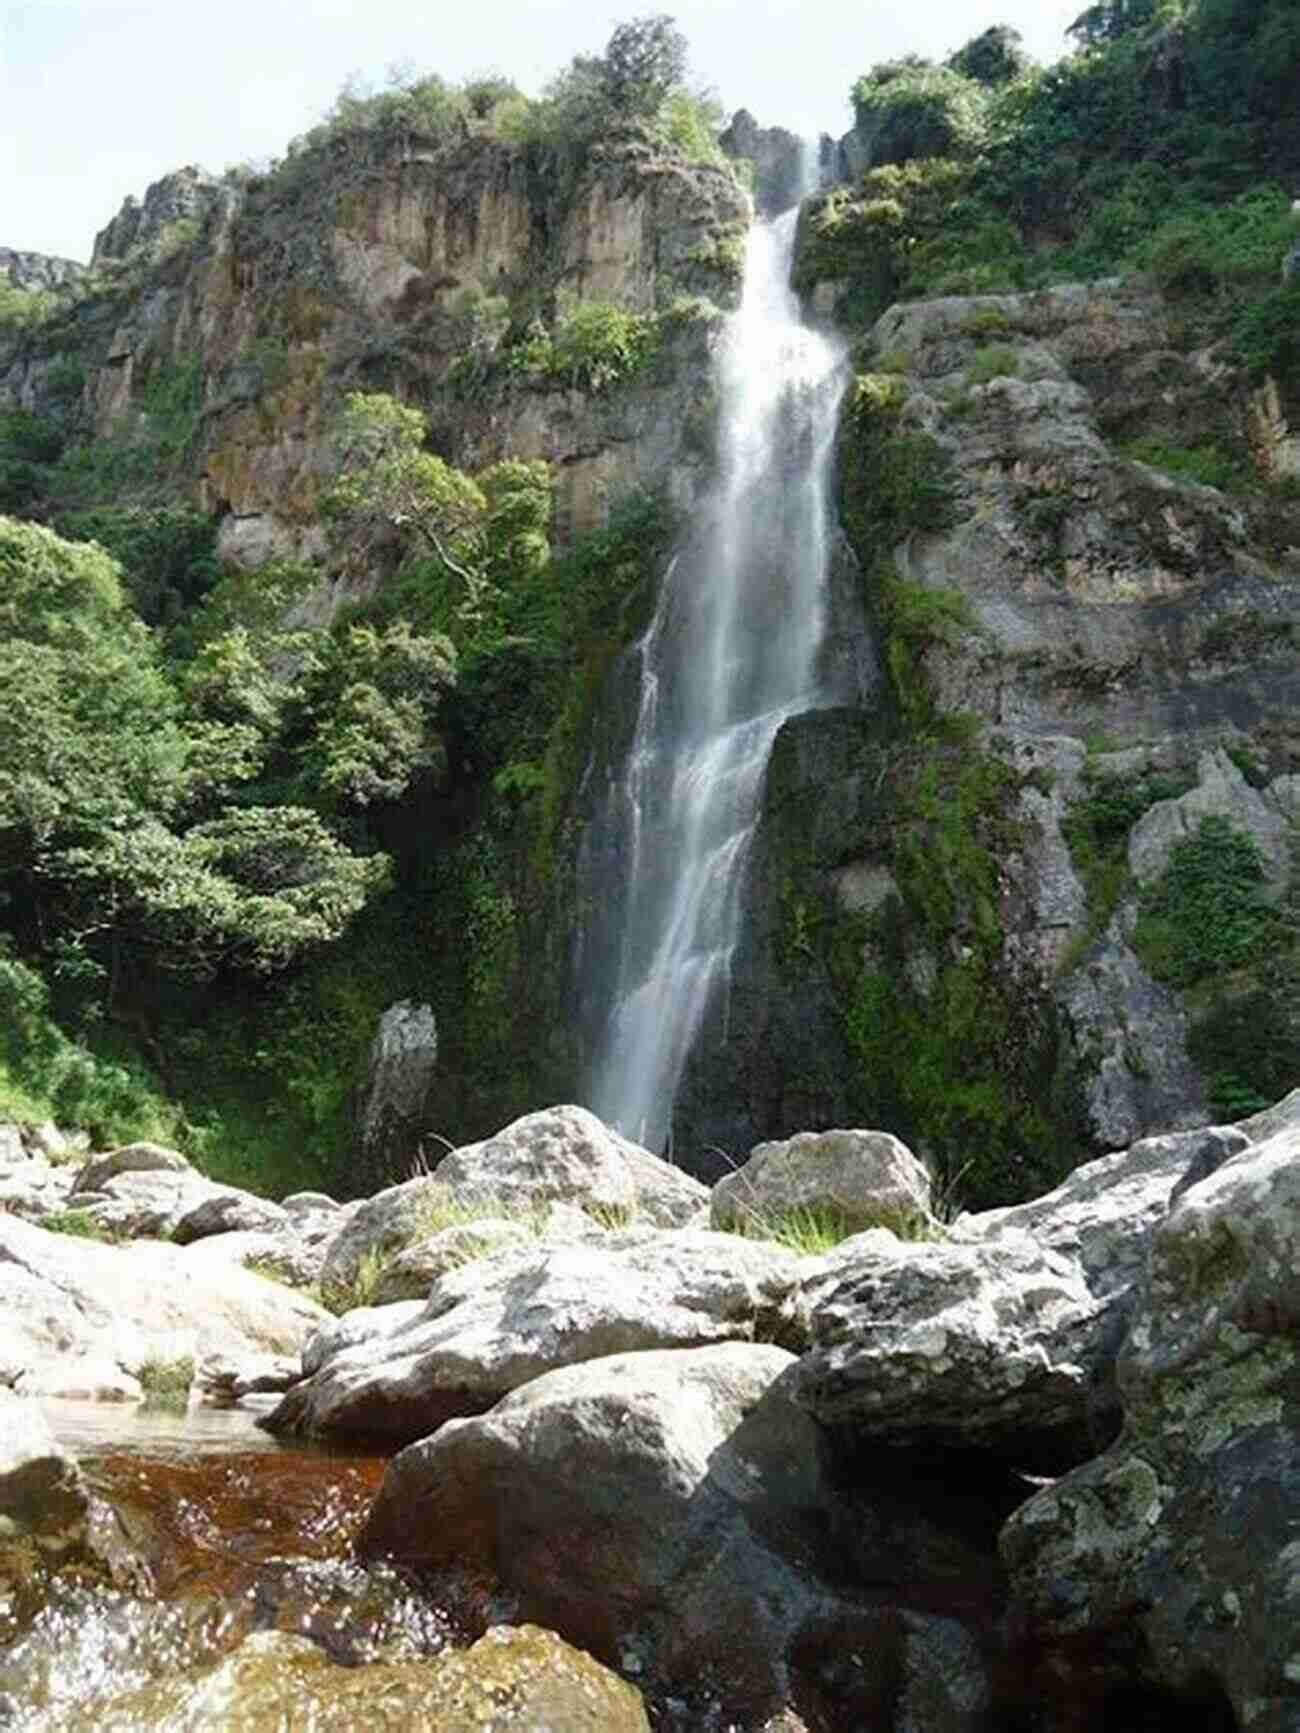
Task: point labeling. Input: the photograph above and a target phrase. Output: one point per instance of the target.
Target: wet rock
(42, 1493)
(489, 1327)
(567, 1155)
(861, 1179)
(514, 1677)
(668, 1511)
(1176, 1547)
(995, 1346)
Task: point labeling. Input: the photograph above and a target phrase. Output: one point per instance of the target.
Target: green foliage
(166, 1383)
(1208, 912)
(954, 1046)
(992, 361)
(44, 1075)
(29, 445)
(167, 553)
(1096, 829)
(1211, 464)
(993, 57)
(141, 462)
(78, 1224)
(909, 109)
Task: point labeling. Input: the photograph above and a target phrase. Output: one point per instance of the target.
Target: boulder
(144, 1204)
(42, 1493)
(383, 1225)
(82, 1319)
(668, 1511)
(996, 1346)
(130, 1158)
(413, 1272)
(225, 1211)
(567, 1155)
(361, 1324)
(1175, 1549)
(859, 1179)
(489, 1327)
(284, 1257)
(514, 1677)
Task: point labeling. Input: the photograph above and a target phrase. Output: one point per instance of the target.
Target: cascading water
(732, 652)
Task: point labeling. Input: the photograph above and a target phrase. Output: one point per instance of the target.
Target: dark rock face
(778, 157)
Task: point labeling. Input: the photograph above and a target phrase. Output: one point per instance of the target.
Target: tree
(118, 833)
(992, 58)
(644, 62)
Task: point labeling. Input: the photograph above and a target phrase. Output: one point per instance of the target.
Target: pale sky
(100, 97)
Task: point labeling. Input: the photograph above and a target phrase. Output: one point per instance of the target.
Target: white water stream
(731, 653)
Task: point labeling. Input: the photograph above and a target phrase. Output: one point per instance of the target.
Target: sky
(100, 97)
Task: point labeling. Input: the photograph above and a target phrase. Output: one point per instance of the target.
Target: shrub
(908, 109)
(1207, 913)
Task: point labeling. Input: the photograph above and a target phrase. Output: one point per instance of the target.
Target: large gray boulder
(567, 1155)
(130, 1158)
(227, 1210)
(382, 1226)
(669, 1511)
(491, 1326)
(859, 1179)
(1179, 1542)
(82, 1319)
(995, 1346)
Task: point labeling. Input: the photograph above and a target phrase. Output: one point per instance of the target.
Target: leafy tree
(909, 109)
(992, 58)
(118, 838)
(644, 62)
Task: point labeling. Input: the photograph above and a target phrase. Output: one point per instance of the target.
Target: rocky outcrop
(1174, 1548)
(88, 1320)
(779, 161)
(38, 271)
(187, 195)
(338, 271)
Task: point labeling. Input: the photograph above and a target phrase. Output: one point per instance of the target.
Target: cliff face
(999, 904)
(38, 270)
(276, 295)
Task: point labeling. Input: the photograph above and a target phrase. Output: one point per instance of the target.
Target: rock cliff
(974, 891)
(272, 295)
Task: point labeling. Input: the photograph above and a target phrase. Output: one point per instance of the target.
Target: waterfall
(731, 653)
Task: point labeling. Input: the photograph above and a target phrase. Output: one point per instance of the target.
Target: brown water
(215, 1531)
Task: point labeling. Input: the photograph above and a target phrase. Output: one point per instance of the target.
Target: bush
(909, 109)
(1207, 913)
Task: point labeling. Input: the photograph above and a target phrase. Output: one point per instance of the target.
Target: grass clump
(80, 1224)
(166, 1383)
(811, 1229)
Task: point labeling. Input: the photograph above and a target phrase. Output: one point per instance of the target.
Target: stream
(216, 1531)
